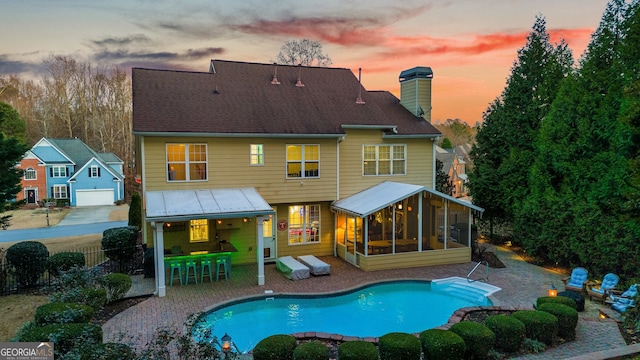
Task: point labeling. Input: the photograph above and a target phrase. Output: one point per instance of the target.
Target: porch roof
(382, 195)
(177, 205)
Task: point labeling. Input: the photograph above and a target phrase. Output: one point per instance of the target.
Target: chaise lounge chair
(601, 291)
(622, 304)
(577, 280)
(630, 293)
(315, 265)
(292, 268)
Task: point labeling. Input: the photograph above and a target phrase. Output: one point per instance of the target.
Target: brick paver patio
(521, 284)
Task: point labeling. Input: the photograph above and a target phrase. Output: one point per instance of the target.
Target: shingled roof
(240, 98)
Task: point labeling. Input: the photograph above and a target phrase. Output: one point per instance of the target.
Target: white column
(260, 251)
(158, 246)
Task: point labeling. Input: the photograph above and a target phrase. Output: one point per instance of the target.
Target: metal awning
(384, 194)
(375, 198)
(178, 205)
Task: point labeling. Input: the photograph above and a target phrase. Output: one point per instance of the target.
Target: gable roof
(239, 98)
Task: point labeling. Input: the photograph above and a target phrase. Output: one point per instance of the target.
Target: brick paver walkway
(521, 284)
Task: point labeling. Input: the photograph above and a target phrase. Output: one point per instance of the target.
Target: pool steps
(474, 291)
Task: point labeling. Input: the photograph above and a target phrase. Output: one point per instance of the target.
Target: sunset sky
(469, 44)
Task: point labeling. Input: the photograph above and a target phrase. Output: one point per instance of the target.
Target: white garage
(94, 197)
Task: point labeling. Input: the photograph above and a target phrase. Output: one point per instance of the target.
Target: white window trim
(302, 162)
(33, 171)
(187, 162)
(259, 155)
(56, 191)
(63, 172)
(93, 171)
(391, 160)
(306, 227)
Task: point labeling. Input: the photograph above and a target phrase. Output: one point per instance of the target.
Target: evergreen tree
(443, 183)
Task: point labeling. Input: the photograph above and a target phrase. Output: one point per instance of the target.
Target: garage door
(94, 197)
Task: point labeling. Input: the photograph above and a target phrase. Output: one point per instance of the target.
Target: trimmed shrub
(399, 346)
(135, 211)
(439, 344)
(567, 319)
(357, 350)
(96, 298)
(29, 259)
(478, 338)
(313, 350)
(106, 351)
(63, 313)
(275, 347)
(556, 300)
(509, 331)
(119, 243)
(64, 336)
(64, 261)
(539, 325)
(117, 286)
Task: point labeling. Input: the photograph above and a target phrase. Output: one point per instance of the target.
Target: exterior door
(31, 197)
(269, 236)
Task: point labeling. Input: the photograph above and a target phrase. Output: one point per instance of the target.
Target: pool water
(372, 311)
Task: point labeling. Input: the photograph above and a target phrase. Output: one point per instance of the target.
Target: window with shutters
(59, 171)
(94, 171)
(60, 192)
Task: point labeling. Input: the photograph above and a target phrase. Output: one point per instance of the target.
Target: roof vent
(275, 75)
(359, 99)
(299, 83)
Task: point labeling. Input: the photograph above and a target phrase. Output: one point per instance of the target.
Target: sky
(470, 45)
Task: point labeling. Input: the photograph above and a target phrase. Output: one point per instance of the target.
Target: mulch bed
(110, 310)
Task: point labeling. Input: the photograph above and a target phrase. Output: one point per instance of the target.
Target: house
(72, 173)
(283, 160)
(455, 166)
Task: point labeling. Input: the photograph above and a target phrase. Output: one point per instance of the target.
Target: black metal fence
(95, 257)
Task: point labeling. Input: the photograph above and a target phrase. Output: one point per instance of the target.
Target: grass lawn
(18, 309)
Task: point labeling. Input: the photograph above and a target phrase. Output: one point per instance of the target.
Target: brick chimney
(415, 91)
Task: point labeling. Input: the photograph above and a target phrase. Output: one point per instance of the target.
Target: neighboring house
(454, 165)
(68, 169)
(287, 161)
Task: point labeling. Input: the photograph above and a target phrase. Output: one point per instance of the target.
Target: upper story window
(199, 230)
(94, 171)
(384, 159)
(30, 174)
(59, 171)
(187, 162)
(256, 154)
(303, 161)
(304, 224)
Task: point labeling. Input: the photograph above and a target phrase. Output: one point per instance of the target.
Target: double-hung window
(304, 224)
(384, 160)
(303, 161)
(187, 162)
(30, 174)
(256, 155)
(60, 192)
(58, 171)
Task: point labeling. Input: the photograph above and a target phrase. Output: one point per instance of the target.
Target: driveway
(79, 221)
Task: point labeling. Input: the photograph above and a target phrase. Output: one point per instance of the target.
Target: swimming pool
(370, 311)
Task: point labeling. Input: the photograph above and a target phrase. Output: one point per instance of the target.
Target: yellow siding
(419, 161)
(412, 259)
(229, 168)
(424, 97)
(408, 95)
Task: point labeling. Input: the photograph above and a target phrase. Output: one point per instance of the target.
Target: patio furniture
(191, 268)
(175, 268)
(292, 268)
(205, 263)
(223, 266)
(630, 293)
(577, 280)
(575, 296)
(315, 265)
(601, 291)
(622, 304)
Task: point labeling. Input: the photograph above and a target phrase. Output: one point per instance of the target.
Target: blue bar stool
(175, 267)
(222, 264)
(205, 263)
(191, 264)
